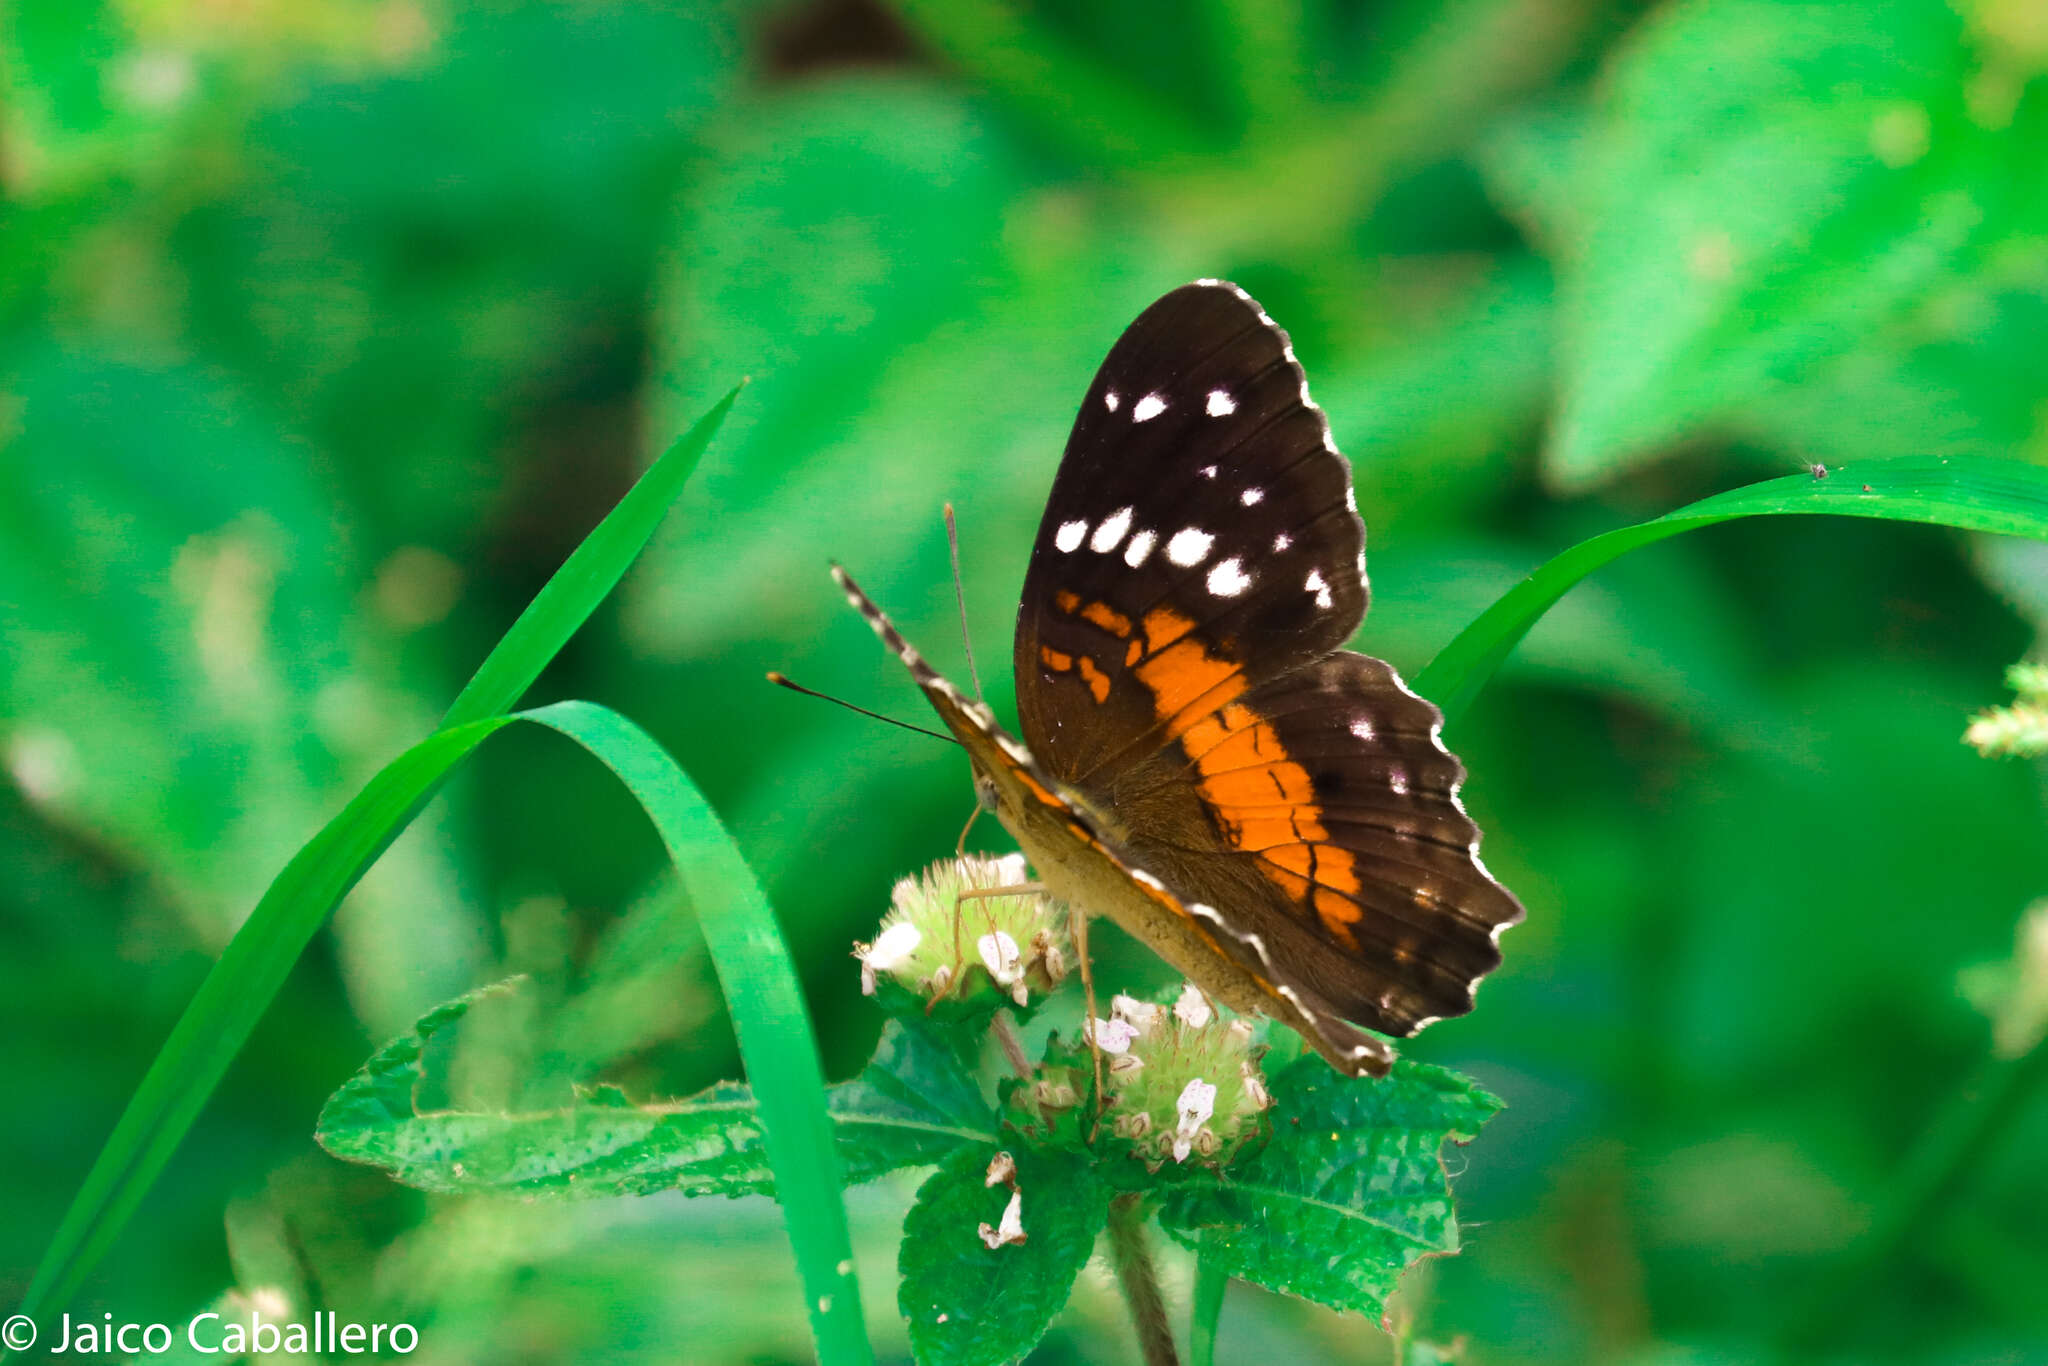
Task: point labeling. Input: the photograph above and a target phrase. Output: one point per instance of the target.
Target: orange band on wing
(1107, 617)
(1243, 764)
(1054, 660)
(1096, 679)
(1181, 673)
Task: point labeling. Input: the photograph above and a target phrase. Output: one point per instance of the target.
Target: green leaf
(912, 1104)
(1976, 495)
(1348, 1193)
(968, 1304)
(1768, 185)
(911, 1107)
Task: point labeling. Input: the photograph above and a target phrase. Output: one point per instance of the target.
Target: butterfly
(1201, 760)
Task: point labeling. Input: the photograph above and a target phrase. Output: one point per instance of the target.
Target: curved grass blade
(253, 966)
(767, 1008)
(1975, 495)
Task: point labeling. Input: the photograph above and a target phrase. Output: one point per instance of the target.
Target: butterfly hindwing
(1335, 826)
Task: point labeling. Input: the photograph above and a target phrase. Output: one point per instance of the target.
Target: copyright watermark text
(210, 1334)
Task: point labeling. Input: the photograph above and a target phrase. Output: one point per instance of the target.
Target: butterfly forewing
(1200, 530)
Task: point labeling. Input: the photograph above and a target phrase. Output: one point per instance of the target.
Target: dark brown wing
(1200, 508)
(1179, 666)
(1327, 824)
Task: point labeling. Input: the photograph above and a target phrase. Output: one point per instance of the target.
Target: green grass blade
(236, 992)
(768, 1014)
(256, 961)
(592, 570)
(1976, 495)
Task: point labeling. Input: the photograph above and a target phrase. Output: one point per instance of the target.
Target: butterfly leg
(976, 894)
(960, 845)
(1079, 929)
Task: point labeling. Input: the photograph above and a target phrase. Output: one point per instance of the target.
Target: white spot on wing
(1207, 471)
(1228, 579)
(1188, 546)
(1221, 404)
(1149, 407)
(1315, 585)
(1250, 497)
(1398, 781)
(1068, 537)
(1361, 726)
(1110, 400)
(1110, 532)
(1282, 541)
(1139, 549)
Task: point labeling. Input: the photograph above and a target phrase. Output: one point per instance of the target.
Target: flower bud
(1184, 1085)
(939, 952)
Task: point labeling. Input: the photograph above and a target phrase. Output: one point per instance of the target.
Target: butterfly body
(1201, 760)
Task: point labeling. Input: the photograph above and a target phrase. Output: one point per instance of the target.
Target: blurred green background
(326, 329)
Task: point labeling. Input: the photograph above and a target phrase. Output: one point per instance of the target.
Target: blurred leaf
(1977, 495)
(1770, 184)
(82, 99)
(1348, 1193)
(972, 1305)
(1532, 164)
(1434, 421)
(452, 317)
(191, 681)
(911, 1107)
(1099, 108)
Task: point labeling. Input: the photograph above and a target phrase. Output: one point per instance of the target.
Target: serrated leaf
(1350, 1191)
(971, 1305)
(912, 1105)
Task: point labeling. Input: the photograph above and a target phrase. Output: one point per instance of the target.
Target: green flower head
(1183, 1083)
(939, 950)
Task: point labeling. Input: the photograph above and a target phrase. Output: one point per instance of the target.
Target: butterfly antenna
(784, 681)
(960, 599)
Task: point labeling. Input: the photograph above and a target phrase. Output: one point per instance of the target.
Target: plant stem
(1947, 1153)
(1210, 1282)
(1006, 1039)
(1131, 1254)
